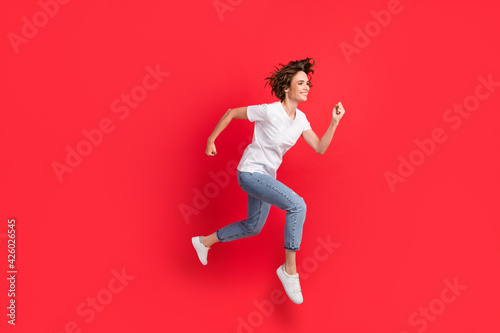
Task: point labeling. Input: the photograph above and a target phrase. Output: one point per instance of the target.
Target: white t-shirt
(274, 133)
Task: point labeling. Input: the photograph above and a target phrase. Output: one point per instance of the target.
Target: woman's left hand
(338, 112)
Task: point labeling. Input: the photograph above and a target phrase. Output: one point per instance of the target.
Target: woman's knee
(300, 205)
(251, 227)
(254, 232)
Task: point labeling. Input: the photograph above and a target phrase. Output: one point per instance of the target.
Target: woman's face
(299, 88)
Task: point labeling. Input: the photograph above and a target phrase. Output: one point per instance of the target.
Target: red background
(120, 207)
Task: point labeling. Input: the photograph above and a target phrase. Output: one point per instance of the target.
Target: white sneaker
(201, 249)
(291, 284)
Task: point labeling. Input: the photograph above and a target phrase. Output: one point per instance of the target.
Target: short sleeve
(307, 125)
(257, 112)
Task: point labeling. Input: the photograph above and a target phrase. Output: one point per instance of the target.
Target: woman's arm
(238, 113)
(321, 145)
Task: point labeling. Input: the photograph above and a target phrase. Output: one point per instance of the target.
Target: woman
(277, 128)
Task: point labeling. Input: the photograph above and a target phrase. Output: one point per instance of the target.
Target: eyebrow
(303, 81)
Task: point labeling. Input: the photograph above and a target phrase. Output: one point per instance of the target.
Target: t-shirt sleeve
(307, 125)
(257, 112)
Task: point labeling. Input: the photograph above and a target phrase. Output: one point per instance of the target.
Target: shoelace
(296, 284)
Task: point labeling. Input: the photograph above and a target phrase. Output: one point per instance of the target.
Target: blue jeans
(264, 191)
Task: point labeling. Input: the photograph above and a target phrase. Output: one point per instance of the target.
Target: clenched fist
(211, 151)
(338, 112)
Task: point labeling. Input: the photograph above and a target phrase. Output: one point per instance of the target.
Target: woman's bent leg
(257, 212)
(275, 193)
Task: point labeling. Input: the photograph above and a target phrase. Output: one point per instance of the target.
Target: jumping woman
(278, 126)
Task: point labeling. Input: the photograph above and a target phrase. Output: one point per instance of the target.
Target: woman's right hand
(211, 151)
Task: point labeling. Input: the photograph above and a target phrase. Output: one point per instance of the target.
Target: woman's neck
(290, 107)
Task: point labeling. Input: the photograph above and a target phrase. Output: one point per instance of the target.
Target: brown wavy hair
(282, 78)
